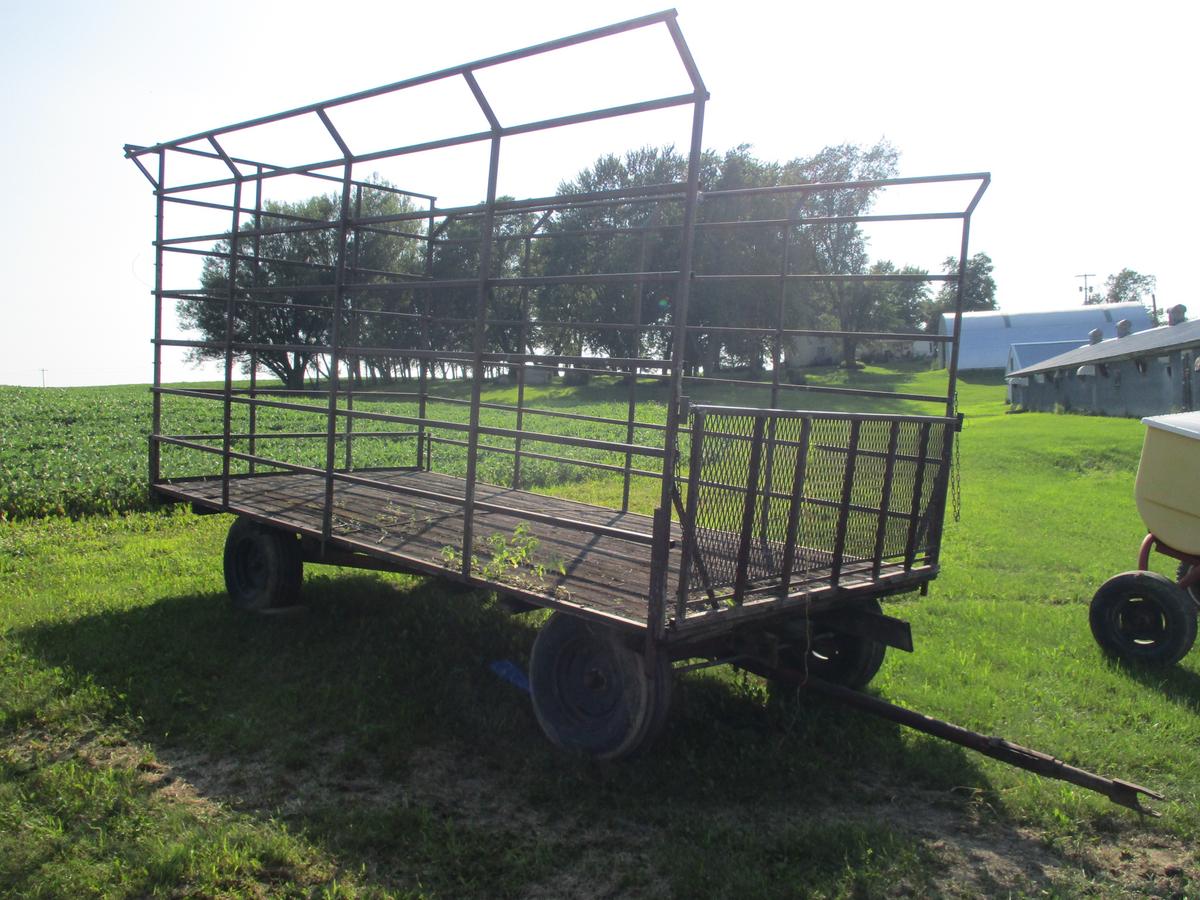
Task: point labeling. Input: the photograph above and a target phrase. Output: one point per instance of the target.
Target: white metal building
(986, 336)
(1022, 355)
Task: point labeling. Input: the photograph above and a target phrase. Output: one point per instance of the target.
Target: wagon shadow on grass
(380, 691)
(1175, 683)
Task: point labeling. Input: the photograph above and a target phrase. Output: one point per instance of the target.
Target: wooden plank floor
(599, 572)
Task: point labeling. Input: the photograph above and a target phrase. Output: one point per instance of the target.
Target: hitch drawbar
(1120, 792)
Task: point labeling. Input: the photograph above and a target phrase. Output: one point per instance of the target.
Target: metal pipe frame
(426, 331)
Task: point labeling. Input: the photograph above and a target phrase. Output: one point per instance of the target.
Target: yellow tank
(1168, 480)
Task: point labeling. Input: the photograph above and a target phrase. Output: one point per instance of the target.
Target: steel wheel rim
(250, 566)
(1140, 621)
(591, 687)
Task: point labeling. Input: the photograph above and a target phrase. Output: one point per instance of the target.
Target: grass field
(154, 743)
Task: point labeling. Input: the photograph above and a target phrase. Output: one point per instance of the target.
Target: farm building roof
(1022, 355)
(1141, 343)
(987, 335)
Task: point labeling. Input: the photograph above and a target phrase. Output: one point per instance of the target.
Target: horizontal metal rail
(276, 435)
(531, 411)
(623, 534)
(800, 221)
(828, 448)
(758, 412)
(829, 186)
(818, 389)
(535, 436)
(451, 72)
(803, 498)
(474, 137)
(819, 276)
(530, 454)
(817, 332)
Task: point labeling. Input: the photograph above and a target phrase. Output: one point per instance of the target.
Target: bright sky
(1084, 113)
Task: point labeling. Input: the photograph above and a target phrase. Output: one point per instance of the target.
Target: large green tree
(456, 256)
(641, 236)
(840, 248)
(979, 289)
(286, 259)
(1127, 286)
(612, 238)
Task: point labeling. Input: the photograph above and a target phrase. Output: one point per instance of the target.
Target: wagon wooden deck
(605, 574)
(601, 573)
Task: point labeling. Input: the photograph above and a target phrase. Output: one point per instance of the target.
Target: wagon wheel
(835, 656)
(1143, 617)
(263, 566)
(590, 690)
(1194, 590)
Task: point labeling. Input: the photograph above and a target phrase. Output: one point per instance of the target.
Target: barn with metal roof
(987, 335)
(1022, 355)
(1141, 373)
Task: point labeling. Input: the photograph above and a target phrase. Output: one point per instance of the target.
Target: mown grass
(364, 747)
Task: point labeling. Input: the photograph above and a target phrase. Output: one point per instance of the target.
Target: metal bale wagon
(773, 533)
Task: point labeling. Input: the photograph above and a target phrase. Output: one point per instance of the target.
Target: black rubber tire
(1144, 618)
(591, 694)
(1194, 590)
(263, 566)
(837, 657)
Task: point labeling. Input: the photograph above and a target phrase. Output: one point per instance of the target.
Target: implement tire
(845, 659)
(263, 566)
(1143, 618)
(590, 690)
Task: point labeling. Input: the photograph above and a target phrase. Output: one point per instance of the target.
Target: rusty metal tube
(1123, 793)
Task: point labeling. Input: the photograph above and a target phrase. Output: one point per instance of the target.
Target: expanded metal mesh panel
(781, 496)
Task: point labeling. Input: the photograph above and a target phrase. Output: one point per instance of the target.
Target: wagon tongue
(1120, 792)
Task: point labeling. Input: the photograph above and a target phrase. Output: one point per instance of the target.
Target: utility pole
(1085, 277)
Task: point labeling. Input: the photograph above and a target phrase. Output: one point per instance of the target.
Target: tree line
(1126, 286)
(288, 257)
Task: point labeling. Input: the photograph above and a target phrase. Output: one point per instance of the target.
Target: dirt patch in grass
(980, 855)
(974, 852)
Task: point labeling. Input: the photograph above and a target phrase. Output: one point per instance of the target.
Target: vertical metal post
(353, 362)
(885, 499)
(253, 301)
(426, 313)
(635, 351)
(230, 304)
(952, 375)
(679, 316)
(155, 461)
(940, 488)
(335, 344)
(525, 344)
(952, 378)
(843, 523)
(776, 381)
(741, 572)
(688, 525)
(910, 545)
(796, 504)
(485, 265)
